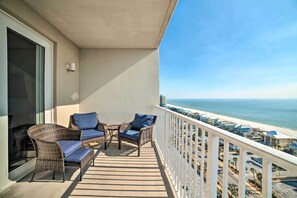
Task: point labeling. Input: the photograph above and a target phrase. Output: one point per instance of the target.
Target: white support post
(242, 172)
(212, 166)
(225, 169)
(202, 164)
(195, 187)
(266, 179)
(182, 161)
(186, 160)
(176, 151)
(165, 140)
(173, 150)
(178, 156)
(190, 180)
(169, 146)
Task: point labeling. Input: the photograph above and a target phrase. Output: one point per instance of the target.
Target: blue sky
(230, 49)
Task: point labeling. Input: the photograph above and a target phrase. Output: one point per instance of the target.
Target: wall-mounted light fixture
(70, 67)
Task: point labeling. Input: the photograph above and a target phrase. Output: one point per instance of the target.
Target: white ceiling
(108, 23)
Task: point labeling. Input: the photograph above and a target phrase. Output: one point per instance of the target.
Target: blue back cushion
(85, 121)
(141, 121)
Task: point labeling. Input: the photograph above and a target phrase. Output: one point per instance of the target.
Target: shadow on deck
(117, 173)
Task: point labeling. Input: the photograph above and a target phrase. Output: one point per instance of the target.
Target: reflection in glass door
(25, 95)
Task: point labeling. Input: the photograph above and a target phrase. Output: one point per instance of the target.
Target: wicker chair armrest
(73, 126)
(125, 126)
(49, 150)
(146, 129)
(145, 133)
(102, 127)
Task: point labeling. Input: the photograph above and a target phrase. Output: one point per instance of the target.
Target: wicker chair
(46, 139)
(101, 127)
(138, 136)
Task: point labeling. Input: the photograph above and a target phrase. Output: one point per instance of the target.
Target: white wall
(118, 83)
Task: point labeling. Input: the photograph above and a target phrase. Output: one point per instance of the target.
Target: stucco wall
(117, 83)
(66, 83)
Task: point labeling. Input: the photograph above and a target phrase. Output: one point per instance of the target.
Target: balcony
(172, 168)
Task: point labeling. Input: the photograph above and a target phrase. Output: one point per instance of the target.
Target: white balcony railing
(181, 140)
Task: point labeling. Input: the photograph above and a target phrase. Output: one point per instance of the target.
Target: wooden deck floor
(117, 173)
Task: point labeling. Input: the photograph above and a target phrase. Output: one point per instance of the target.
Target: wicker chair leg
(105, 144)
(93, 162)
(54, 174)
(119, 144)
(63, 176)
(151, 143)
(32, 177)
(138, 150)
(80, 174)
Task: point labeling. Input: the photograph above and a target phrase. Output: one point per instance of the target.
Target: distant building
(212, 120)
(227, 125)
(245, 130)
(276, 139)
(218, 121)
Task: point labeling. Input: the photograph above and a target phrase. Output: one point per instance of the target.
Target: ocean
(276, 112)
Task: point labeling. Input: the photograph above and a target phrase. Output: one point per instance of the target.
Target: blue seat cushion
(85, 121)
(78, 156)
(69, 146)
(141, 121)
(130, 134)
(91, 133)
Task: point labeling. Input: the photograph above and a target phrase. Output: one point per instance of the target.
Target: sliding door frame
(7, 21)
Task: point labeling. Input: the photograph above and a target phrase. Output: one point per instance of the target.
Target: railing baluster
(182, 161)
(225, 169)
(267, 178)
(175, 151)
(212, 165)
(166, 140)
(186, 160)
(190, 162)
(178, 156)
(169, 146)
(202, 164)
(172, 150)
(195, 188)
(242, 172)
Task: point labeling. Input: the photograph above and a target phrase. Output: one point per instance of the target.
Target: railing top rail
(280, 158)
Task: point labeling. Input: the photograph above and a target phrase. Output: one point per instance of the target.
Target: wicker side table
(113, 130)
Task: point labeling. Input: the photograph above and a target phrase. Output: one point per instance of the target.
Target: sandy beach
(286, 131)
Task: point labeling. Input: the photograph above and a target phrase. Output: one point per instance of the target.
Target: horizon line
(231, 98)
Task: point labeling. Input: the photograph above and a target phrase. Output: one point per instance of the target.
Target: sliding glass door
(26, 63)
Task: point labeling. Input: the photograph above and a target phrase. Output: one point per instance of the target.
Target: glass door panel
(25, 95)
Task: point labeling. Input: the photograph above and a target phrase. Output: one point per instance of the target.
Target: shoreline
(290, 132)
